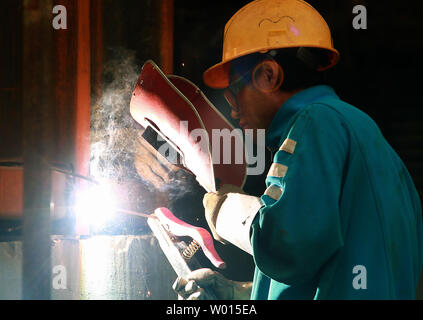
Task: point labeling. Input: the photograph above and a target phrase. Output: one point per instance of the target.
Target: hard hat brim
(217, 76)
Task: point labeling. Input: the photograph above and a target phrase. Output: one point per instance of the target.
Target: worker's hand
(212, 203)
(151, 165)
(192, 288)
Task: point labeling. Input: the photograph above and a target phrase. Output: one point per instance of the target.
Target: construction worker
(340, 218)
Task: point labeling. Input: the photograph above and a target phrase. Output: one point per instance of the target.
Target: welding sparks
(95, 206)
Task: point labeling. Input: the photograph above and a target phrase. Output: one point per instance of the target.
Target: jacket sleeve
(299, 229)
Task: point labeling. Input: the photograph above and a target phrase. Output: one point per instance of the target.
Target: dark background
(379, 71)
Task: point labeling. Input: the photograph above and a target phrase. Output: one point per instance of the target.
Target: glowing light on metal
(95, 206)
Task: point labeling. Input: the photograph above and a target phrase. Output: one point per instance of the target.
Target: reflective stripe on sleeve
(277, 170)
(288, 146)
(273, 192)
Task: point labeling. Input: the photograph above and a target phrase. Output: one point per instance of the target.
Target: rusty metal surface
(56, 113)
(166, 32)
(102, 267)
(83, 89)
(11, 193)
(38, 115)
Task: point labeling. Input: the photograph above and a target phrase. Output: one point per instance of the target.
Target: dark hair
(299, 66)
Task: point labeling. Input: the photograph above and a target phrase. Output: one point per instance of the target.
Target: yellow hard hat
(264, 25)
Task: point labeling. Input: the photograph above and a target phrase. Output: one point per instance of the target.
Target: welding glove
(192, 288)
(229, 213)
(151, 165)
(212, 203)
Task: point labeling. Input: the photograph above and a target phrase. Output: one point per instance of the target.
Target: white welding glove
(229, 213)
(192, 288)
(212, 203)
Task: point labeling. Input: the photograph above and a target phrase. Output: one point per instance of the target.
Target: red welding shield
(181, 114)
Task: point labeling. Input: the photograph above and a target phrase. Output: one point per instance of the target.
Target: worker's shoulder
(315, 119)
(333, 111)
(320, 114)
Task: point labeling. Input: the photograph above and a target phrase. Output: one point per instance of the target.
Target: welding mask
(182, 116)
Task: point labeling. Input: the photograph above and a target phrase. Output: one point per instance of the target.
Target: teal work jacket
(341, 218)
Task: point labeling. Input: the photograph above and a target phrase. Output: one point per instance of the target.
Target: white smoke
(114, 133)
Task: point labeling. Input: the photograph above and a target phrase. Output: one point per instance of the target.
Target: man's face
(250, 105)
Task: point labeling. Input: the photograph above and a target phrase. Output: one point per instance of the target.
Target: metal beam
(83, 88)
(38, 123)
(166, 34)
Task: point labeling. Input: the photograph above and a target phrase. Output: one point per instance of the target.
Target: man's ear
(267, 76)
